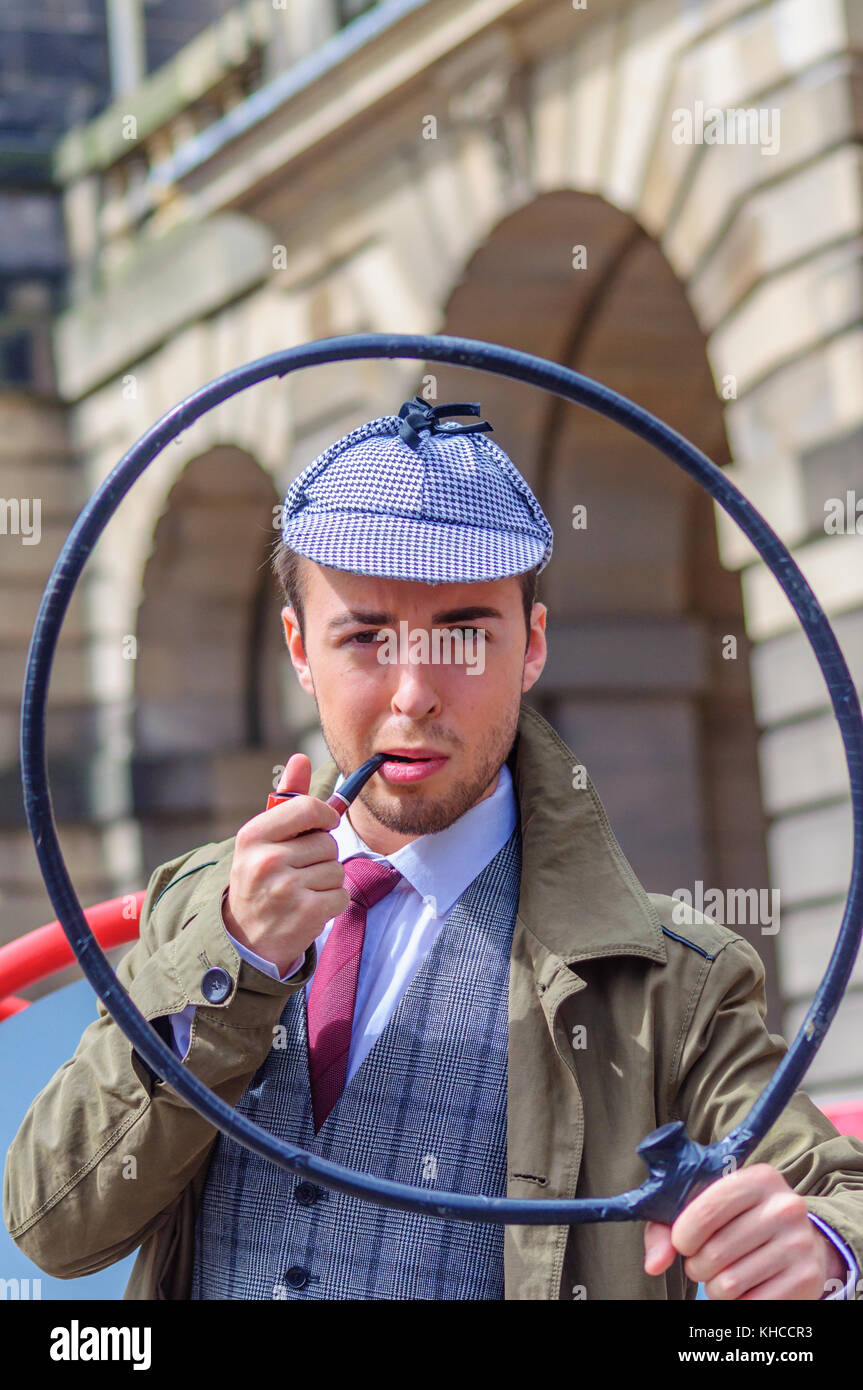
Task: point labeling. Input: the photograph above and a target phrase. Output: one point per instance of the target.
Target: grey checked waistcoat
(427, 1107)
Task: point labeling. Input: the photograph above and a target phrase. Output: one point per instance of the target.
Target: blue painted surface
(33, 1045)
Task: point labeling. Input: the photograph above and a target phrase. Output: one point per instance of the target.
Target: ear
(297, 651)
(536, 651)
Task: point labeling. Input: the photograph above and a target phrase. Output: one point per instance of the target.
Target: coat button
(296, 1277)
(306, 1193)
(215, 984)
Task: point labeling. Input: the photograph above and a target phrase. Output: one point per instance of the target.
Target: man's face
(368, 706)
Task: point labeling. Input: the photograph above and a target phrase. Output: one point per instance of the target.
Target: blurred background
(187, 185)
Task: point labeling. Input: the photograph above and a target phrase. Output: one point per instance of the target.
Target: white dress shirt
(401, 929)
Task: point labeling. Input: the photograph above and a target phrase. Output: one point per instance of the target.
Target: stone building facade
(663, 195)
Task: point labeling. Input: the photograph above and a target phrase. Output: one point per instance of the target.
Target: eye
(358, 637)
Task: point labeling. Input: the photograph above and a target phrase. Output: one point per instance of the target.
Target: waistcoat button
(306, 1193)
(297, 1277)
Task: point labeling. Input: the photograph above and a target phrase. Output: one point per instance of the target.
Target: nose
(416, 695)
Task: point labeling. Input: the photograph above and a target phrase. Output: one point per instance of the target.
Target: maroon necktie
(330, 1011)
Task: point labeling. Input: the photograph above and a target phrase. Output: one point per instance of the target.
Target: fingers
(293, 818)
(751, 1231)
(296, 774)
(747, 1235)
(727, 1198)
(313, 847)
(731, 1279)
(659, 1251)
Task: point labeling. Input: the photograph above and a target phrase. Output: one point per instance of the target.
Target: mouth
(405, 765)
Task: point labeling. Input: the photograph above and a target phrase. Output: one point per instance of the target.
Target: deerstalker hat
(412, 496)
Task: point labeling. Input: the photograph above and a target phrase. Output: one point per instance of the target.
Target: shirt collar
(440, 865)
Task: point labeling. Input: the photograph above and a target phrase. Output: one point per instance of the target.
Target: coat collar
(579, 895)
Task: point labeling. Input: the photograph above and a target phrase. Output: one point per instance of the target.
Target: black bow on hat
(418, 415)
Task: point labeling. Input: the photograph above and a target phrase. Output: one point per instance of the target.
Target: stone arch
(217, 704)
(641, 611)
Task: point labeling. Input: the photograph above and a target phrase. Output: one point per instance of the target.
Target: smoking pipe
(350, 788)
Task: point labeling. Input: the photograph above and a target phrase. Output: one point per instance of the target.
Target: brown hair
(287, 567)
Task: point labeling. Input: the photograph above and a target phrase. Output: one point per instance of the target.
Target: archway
(217, 704)
(648, 672)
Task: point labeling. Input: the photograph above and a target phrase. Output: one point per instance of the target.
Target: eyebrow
(376, 619)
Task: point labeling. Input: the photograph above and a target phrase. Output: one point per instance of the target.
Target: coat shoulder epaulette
(691, 928)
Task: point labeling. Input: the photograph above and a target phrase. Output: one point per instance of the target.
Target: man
(460, 985)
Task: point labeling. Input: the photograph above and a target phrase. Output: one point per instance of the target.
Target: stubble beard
(413, 809)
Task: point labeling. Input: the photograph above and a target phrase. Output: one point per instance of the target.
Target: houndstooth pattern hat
(411, 496)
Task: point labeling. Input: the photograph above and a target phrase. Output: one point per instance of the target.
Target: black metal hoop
(678, 1168)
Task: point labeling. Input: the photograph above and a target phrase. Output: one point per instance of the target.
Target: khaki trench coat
(667, 1029)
